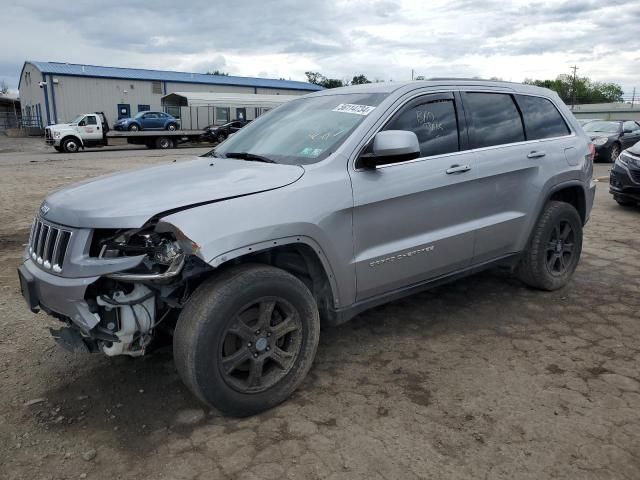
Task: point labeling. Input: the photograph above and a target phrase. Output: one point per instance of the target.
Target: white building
(53, 92)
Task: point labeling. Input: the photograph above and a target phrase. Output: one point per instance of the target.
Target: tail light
(592, 152)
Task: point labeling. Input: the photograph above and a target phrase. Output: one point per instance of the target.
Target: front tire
(221, 137)
(134, 128)
(554, 248)
(71, 145)
(247, 338)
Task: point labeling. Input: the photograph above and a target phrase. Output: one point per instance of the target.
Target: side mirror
(391, 146)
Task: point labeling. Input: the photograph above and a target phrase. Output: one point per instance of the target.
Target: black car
(610, 137)
(219, 133)
(624, 180)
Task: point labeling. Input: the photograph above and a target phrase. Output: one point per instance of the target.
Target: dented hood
(129, 199)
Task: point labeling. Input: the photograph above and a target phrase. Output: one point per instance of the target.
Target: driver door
(90, 129)
(414, 220)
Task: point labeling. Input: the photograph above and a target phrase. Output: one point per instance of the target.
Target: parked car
(219, 133)
(148, 121)
(624, 179)
(610, 137)
(584, 121)
(334, 203)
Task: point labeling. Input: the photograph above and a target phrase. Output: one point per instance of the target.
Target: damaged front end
(144, 277)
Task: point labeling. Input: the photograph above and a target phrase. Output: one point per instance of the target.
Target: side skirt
(342, 315)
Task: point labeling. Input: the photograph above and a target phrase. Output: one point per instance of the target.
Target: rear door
(513, 163)
(414, 220)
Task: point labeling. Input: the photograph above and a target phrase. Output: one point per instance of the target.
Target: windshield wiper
(252, 157)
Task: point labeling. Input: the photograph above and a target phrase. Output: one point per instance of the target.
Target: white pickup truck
(92, 130)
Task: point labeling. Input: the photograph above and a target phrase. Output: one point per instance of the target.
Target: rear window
(495, 120)
(541, 118)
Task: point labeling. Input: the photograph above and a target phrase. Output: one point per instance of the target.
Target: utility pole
(633, 96)
(573, 96)
(412, 74)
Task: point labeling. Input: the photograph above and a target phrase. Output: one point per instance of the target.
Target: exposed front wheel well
(573, 195)
(301, 261)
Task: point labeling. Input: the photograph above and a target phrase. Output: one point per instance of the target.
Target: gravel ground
(481, 378)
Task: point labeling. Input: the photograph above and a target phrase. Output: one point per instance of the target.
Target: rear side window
(433, 122)
(541, 118)
(495, 119)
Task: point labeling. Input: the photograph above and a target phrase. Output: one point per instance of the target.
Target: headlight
(628, 161)
(57, 134)
(159, 248)
(600, 141)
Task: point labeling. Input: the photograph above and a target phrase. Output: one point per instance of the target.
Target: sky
(382, 39)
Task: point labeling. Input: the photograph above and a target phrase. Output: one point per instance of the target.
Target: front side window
(633, 126)
(541, 118)
(495, 120)
(303, 131)
(434, 123)
(91, 120)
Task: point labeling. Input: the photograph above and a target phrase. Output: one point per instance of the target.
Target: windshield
(77, 119)
(605, 127)
(140, 114)
(302, 131)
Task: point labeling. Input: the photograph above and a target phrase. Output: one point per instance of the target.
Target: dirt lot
(482, 378)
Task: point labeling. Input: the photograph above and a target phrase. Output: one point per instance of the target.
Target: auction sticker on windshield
(353, 108)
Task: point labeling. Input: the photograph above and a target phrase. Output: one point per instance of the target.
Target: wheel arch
(299, 255)
(572, 193)
(71, 136)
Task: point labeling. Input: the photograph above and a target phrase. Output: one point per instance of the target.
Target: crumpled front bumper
(52, 293)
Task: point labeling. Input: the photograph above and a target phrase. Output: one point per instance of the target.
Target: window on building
(541, 118)
(222, 115)
(156, 87)
(495, 120)
(433, 122)
(143, 108)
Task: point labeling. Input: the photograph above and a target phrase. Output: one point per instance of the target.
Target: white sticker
(353, 108)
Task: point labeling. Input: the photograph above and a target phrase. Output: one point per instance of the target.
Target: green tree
(318, 79)
(218, 72)
(360, 80)
(586, 90)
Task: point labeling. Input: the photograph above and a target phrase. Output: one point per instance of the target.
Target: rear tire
(247, 338)
(164, 143)
(172, 126)
(614, 152)
(554, 248)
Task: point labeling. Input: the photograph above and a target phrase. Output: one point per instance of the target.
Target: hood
(129, 199)
(635, 149)
(594, 135)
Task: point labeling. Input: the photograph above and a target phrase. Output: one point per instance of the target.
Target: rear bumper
(622, 183)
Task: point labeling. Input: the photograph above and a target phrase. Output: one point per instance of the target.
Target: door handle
(536, 154)
(458, 169)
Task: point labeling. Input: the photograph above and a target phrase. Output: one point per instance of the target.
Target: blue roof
(78, 70)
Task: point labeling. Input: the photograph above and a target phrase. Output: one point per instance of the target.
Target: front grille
(635, 175)
(48, 245)
(47, 133)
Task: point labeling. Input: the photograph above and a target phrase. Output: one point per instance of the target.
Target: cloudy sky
(383, 39)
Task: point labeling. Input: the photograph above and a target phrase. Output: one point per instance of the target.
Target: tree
(586, 90)
(218, 72)
(4, 88)
(318, 79)
(360, 80)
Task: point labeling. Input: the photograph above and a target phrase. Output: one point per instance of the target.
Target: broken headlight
(160, 249)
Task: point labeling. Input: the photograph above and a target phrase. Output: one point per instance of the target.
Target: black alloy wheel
(560, 248)
(261, 345)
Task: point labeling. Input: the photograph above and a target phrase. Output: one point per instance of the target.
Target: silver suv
(326, 206)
